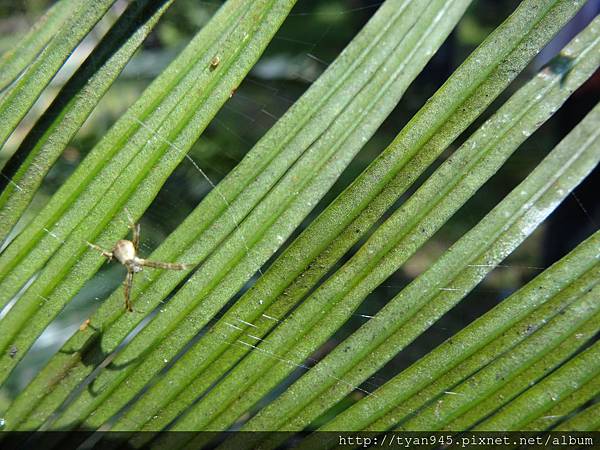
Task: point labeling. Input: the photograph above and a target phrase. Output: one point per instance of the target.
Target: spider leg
(165, 265)
(128, 284)
(108, 255)
(135, 227)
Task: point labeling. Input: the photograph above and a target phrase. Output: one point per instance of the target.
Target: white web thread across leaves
(206, 177)
(288, 361)
(242, 344)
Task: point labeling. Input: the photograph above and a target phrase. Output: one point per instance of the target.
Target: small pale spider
(125, 252)
(214, 63)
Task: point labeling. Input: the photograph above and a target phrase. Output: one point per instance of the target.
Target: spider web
(272, 87)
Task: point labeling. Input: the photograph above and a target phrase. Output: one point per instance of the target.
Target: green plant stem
(544, 189)
(586, 420)
(288, 133)
(135, 187)
(428, 133)
(200, 354)
(114, 154)
(534, 373)
(15, 104)
(15, 60)
(72, 106)
(566, 406)
(332, 303)
(160, 96)
(505, 368)
(545, 394)
(362, 108)
(465, 353)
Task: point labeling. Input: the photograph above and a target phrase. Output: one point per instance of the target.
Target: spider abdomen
(124, 251)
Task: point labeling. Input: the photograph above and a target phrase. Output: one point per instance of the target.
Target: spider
(125, 252)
